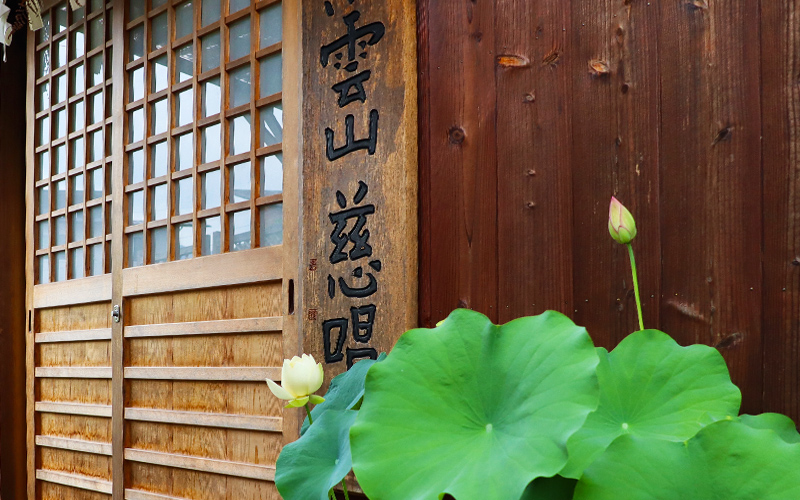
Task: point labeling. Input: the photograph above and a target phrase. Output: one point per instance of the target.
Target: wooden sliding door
(162, 248)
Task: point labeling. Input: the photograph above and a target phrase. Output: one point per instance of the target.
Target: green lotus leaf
(652, 387)
(309, 467)
(725, 460)
(345, 391)
(550, 488)
(472, 409)
(781, 424)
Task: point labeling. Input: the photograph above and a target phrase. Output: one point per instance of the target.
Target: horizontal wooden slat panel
(74, 409)
(251, 266)
(86, 354)
(240, 398)
(146, 495)
(53, 491)
(81, 427)
(70, 318)
(82, 291)
(248, 374)
(71, 390)
(237, 469)
(73, 336)
(74, 445)
(73, 372)
(223, 420)
(74, 462)
(75, 481)
(273, 324)
(196, 485)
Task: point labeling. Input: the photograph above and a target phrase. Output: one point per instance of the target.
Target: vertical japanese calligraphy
(359, 179)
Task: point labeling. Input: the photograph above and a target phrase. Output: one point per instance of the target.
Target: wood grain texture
(780, 99)
(198, 485)
(205, 419)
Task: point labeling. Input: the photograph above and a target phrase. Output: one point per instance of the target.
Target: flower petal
(279, 391)
(297, 403)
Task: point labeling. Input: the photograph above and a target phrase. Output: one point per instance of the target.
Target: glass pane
(43, 96)
(44, 165)
(44, 62)
(237, 5)
(184, 108)
(77, 118)
(76, 227)
(60, 191)
(43, 34)
(184, 63)
(95, 5)
(212, 142)
(271, 121)
(136, 125)
(60, 53)
(271, 75)
(60, 18)
(60, 154)
(211, 97)
(158, 202)
(44, 235)
(136, 166)
(60, 124)
(184, 154)
(271, 226)
(44, 269)
(44, 131)
(96, 70)
(184, 196)
(158, 245)
(97, 36)
(136, 208)
(78, 14)
(76, 189)
(95, 183)
(76, 263)
(135, 249)
(160, 74)
(184, 241)
(136, 88)
(60, 86)
(77, 153)
(136, 42)
(98, 145)
(210, 12)
(78, 43)
(271, 25)
(240, 134)
(135, 9)
(44, 200)
(96, 221)
(60, 265)
(97, 110)
(239, 41)
(158, 31)
(184, 19)
(159, 159)
(159, 117)
(210, 195)
(96, 260)
(239, 182)
(212, 236)
(240, 230)
(271, 180)
(210, 47)
(60, 231)
(239, 86)
(77, 79)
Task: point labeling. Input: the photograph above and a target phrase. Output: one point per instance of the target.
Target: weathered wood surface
(375, 251)
(532, 114)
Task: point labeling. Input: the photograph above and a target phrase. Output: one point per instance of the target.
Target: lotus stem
(635, 288)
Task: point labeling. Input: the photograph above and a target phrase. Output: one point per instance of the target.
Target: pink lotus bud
(621, 225)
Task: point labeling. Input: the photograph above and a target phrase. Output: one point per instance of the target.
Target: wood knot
(722, 136)
(599, 67)
(530, 97)
(551, 59)
(513, 61)
(456, 135)
(730, 341)
(531, 204)
(699, 4)
(624, 88)
(531, 172)
(796, 261)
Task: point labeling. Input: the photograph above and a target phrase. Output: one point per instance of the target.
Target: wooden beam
(224, 467)
(74, 445)
(74, 481)
(131, 494)
(73, 336)
(82, 291)
(254, 325)
(222, 420)
(73, 372)
(74, 409)
(238, 374)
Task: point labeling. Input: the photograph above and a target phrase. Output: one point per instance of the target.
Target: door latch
(116, 314)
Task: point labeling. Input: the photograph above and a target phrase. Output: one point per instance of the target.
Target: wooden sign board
(359, 195)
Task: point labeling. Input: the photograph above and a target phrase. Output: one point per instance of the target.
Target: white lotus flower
(301, 377)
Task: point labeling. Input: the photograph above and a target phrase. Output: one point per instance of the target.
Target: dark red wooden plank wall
(534, 112)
